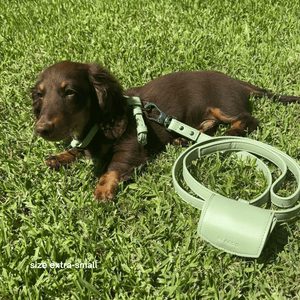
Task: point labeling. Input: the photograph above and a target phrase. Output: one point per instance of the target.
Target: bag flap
(235, 227)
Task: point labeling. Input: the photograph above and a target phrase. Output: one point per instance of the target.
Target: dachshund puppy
(70, 98)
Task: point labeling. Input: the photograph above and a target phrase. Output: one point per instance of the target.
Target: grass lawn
(145, 243)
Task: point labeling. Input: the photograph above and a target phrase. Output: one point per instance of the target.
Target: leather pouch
(235, 227)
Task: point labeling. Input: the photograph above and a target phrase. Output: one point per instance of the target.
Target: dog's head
(69, 98)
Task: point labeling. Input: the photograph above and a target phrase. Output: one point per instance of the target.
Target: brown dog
(70, 98)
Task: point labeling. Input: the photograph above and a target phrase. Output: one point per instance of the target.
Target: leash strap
(238, 227)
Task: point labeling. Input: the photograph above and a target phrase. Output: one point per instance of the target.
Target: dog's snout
(43, 128)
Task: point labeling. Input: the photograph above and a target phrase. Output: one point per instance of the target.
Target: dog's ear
(112, 105)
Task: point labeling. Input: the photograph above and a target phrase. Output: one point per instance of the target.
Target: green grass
(145, 243)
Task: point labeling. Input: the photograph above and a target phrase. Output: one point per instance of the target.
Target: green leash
(238, 227)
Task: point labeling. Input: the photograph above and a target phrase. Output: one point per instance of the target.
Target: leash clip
(163, 119)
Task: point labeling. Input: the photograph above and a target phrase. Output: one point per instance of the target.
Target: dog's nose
(43, 128)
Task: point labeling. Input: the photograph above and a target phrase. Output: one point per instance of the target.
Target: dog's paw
(53, 162)
(62, 159)
(104, 195)
(180, 142)
(107, 186)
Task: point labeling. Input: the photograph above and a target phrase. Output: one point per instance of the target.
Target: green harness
(236, 226)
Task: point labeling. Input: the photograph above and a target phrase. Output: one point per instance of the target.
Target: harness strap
(77, 144)
(141, 128)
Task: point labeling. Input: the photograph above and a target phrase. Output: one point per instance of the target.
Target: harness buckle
(163, 119)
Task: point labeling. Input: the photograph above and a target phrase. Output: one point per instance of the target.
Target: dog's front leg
(119, 169)
(107, 186)
(62, 159)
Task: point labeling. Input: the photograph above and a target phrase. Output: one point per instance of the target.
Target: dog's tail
(259, 92)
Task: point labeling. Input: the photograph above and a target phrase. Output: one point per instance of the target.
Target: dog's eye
(69, 93)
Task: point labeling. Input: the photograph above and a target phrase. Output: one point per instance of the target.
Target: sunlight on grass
(145, 243)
